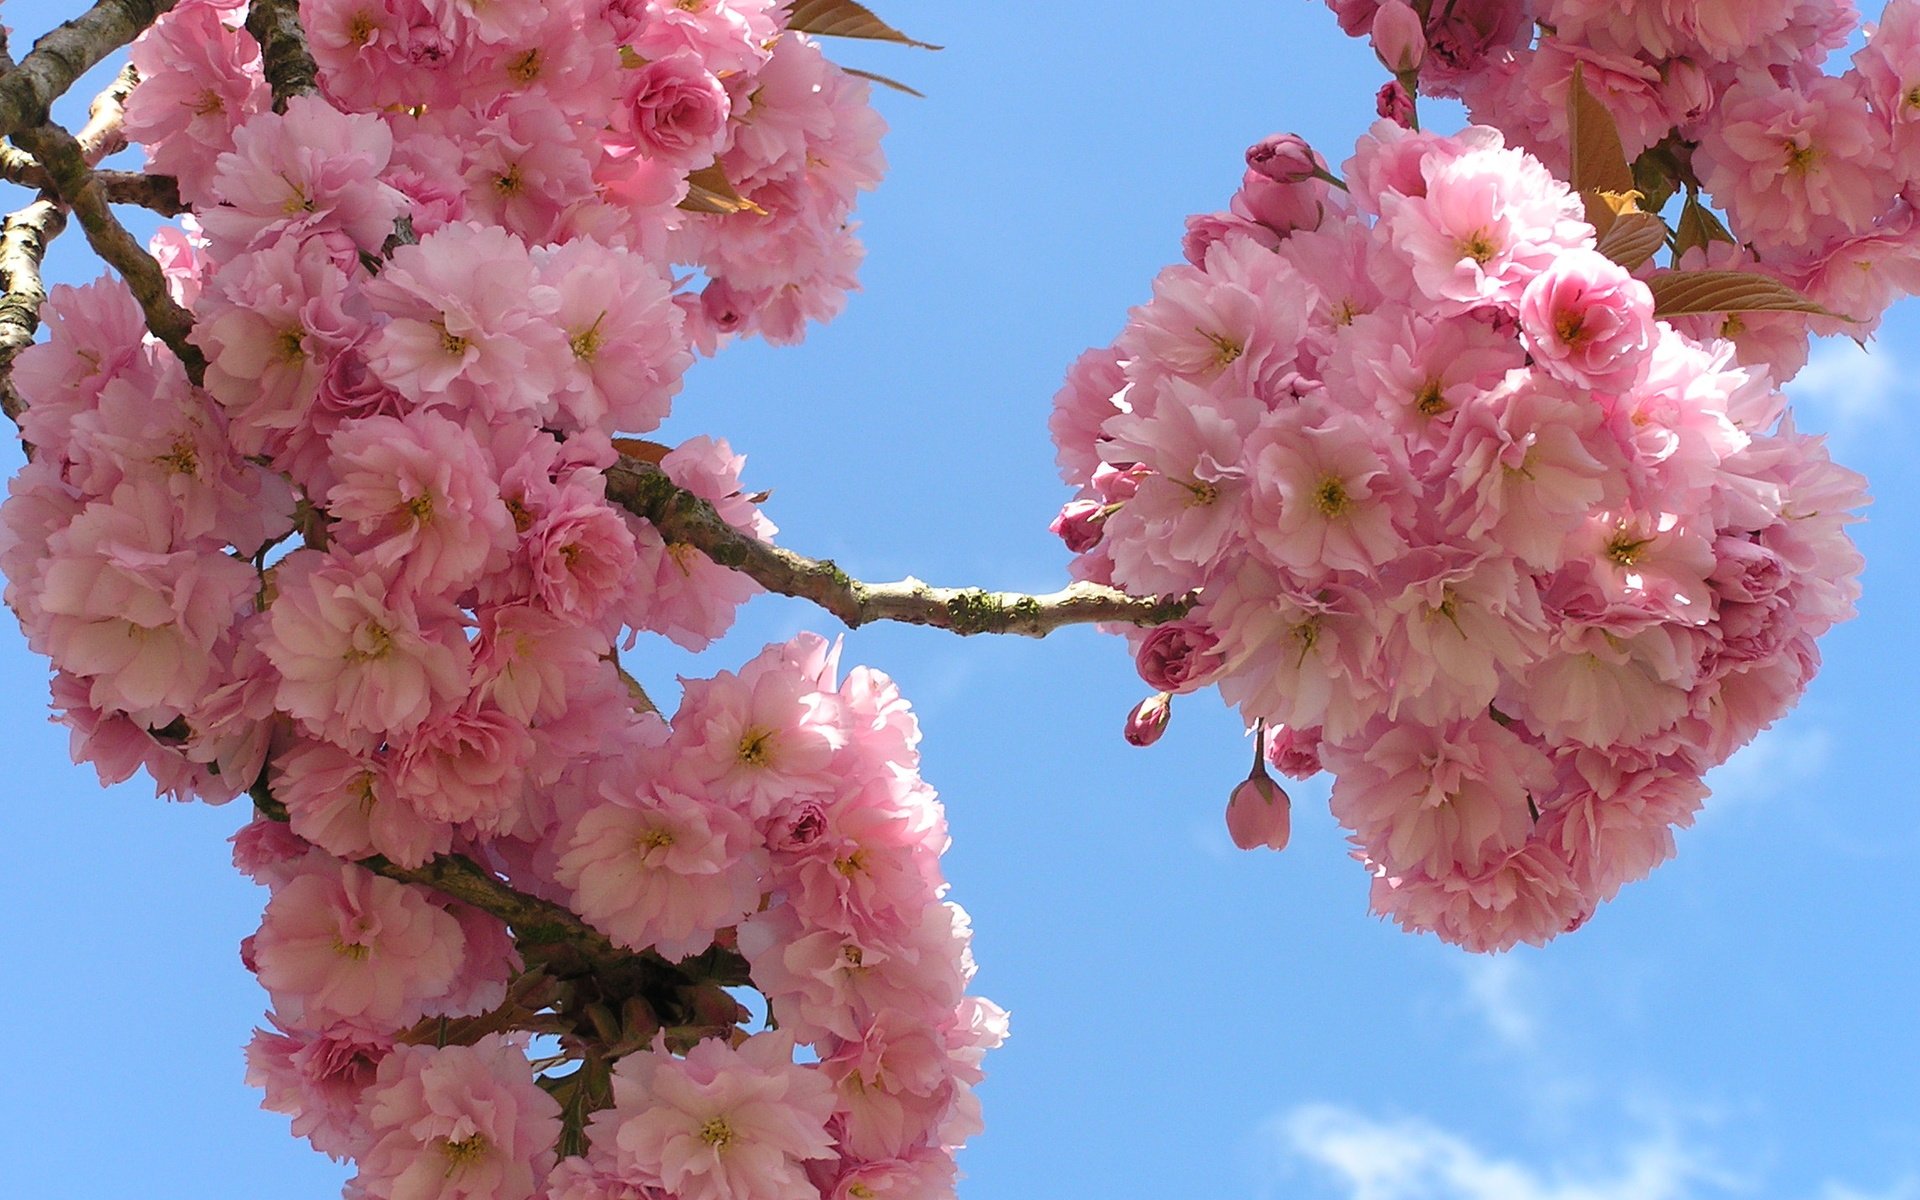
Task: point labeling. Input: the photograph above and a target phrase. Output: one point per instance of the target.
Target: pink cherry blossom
(456, 1123)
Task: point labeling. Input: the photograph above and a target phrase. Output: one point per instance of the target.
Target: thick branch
(75, 183)
(103, 133)
(65, 54)
(290, 70)
(23, 246)
(645, 490)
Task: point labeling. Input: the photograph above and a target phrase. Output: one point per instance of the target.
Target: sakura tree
(1462, 471)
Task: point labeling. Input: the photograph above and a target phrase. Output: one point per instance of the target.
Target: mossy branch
(289, 69)
(645, 490)
(62, 55)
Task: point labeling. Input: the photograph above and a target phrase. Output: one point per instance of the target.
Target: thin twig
(64, 54)
(76, 184)
(645, 490)
(24, 238)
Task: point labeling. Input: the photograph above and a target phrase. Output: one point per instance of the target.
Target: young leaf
(709, 191)
(1599, 161)
(1698, 227)
(1684, 293)
(1632, 238)
(845, 18)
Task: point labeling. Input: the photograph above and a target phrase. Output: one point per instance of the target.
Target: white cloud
(1845, 388)
(1499, 991)
(1777, 762)
(1907, 1188)
(1369, 1159)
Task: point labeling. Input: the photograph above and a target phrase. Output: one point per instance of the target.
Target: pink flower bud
(1178, 656)
(1078, 524)
(1283, 158)
(1117, 485)
(1259, 813)
(1148, 720)
(1394, 103)
(1399, 37)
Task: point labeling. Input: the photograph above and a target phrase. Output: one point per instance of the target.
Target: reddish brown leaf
(845, 18)
(1599, 160)
(1632, 238)
(1684, 293)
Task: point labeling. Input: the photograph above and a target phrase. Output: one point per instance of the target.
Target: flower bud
(1399, 37)
(1259, 813)
(1079, 524)
(1148, 720)
(1395, 103)
(1283, 158)
(1117, 485)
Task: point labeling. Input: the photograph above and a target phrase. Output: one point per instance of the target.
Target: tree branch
(546, 933)
(103, 133)
(74, 182)
(645, 490)
(24, 238)
(65, 54)
(161, 193)
(290, 70)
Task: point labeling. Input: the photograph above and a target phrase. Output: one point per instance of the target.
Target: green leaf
(1698, 228)
(1599, 161)
(1632, 238)
(1685, 293)
(845, 18)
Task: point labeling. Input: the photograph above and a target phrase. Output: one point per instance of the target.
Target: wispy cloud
(1906, 1188)
(1499, 992)
(1365, 1158)
(1845, 389)
(1776, 763)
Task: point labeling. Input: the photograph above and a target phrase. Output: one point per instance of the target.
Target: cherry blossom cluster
(781, 814)
(1466, 524)
(1817, 174)
(366, 571)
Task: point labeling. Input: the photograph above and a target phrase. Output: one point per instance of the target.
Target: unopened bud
(1148, 720)
(1079, 524)
(1283, 158)
(1259, 813)
(1394, 102)
(1399, 37)
(1118, 484)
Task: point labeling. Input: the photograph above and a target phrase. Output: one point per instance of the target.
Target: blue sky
(1188, 1020)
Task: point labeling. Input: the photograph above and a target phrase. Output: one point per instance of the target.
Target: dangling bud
(1149, 718)
(1259, 812)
